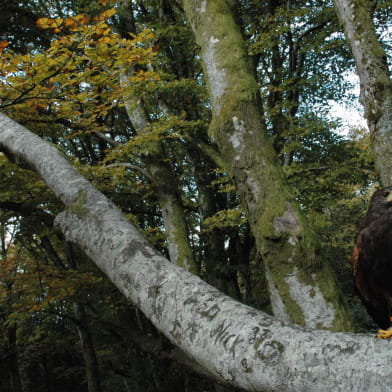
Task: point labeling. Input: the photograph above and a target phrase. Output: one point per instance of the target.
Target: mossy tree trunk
(164, 178)
(167, 190)
(376, 84)
(302, 289)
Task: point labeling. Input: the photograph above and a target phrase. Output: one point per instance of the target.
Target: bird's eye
(385, 194)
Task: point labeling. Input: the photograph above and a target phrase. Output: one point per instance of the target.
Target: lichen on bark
(375, 79)
(166, 186)
(78, 207)
(283, 237)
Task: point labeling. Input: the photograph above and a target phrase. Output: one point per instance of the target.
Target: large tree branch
(238, 344)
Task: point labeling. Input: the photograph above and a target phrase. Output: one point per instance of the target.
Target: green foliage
(77, 77)
(326, 167)
(223, 219)
(334, 178)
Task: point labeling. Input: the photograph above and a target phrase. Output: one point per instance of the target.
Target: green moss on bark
(78, 207)
(284, 240)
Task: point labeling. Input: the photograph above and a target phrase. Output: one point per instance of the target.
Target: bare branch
(134, 167)
(108, 140)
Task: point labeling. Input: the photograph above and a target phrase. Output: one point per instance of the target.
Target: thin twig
(107, 139)
(134, 167)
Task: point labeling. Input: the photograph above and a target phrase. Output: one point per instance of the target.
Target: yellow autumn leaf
(43, 23)
(81, 18)
(56, 22)
(99, 32)
(105, 40)
(101, 25)
(108, 13)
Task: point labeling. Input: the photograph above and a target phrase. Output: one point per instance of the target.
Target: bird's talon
(384, 334)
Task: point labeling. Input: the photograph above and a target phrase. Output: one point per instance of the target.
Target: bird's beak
(389, 198)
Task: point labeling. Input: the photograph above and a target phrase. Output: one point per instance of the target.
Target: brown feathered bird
(372, 260)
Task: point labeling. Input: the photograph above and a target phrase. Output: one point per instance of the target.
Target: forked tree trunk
(302, 289)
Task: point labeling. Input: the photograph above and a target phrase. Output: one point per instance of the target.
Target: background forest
(119, 88)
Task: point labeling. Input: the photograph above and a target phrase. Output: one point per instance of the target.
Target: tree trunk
(284, 240)
(374, 76)
(169, 199)
(88, 350)
(209, 205)
(12, 360)
(11, 328)
(235, 343)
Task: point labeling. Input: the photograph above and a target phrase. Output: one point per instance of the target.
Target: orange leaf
(39, 106)
(3, 44)
(81, 18)
(55, 24)
(69, 22)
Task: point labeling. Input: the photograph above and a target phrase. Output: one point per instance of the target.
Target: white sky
(350, 114)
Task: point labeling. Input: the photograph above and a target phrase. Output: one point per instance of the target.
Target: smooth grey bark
(374, 76)
(167, 191)
(235, 343)
(284, 240)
